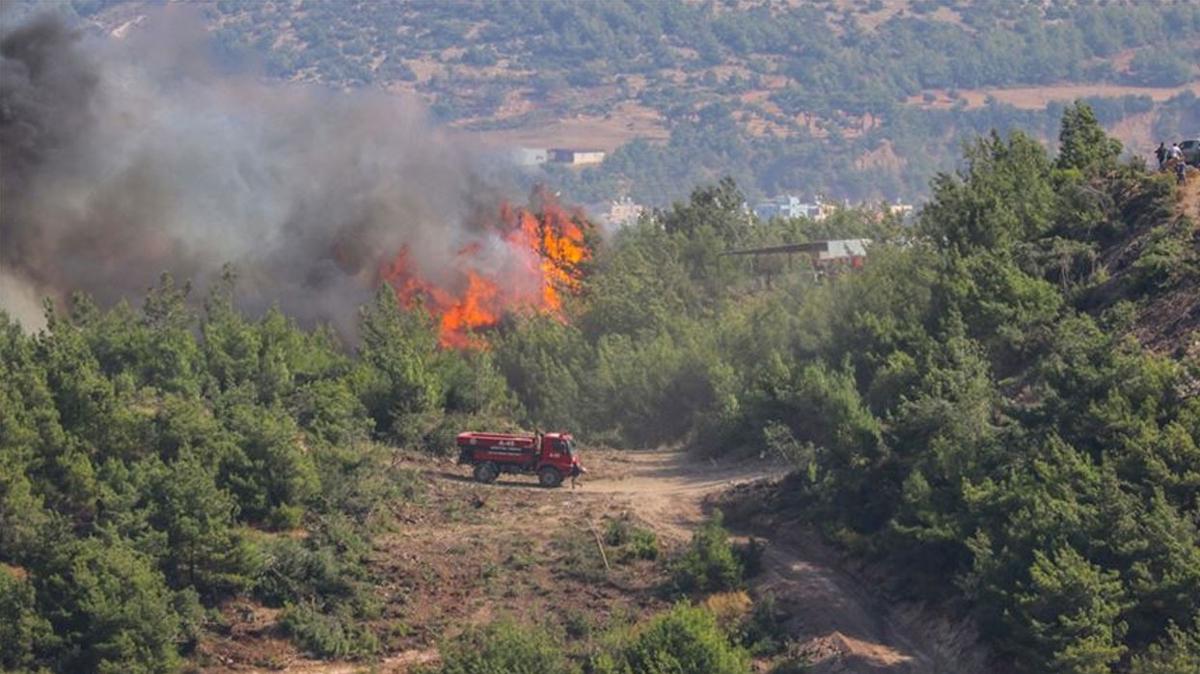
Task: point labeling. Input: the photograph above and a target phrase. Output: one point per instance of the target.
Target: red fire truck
(550, 456)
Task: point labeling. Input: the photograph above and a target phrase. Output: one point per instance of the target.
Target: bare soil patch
(627, 121)
(839, 615)
(1036, 98)
(469, 553)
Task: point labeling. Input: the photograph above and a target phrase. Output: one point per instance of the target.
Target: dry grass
(627, 121)
(467, 554)
(1036, 98)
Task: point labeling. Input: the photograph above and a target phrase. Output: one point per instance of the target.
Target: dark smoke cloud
(121, 159)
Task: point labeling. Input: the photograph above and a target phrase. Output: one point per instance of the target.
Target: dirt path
(667, 489)
(838, 622)
(841, 624)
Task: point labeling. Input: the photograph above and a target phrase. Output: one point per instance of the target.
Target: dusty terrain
(469, 553)
(837, 620)
(626, 121)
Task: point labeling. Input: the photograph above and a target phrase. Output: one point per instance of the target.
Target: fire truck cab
(550, 456)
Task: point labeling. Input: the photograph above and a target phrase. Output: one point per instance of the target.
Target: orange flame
(548, 246)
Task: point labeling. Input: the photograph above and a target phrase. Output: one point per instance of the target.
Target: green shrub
(504, 647)
(327, 635)
(685, 639)
(763, 632)
(1162, 260)
(617, 533)
(631, 542)
(328, 570)
(321, 583)
(356, 479)
(709, 564)
(643, 544)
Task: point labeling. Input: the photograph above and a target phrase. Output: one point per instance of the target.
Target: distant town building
(529, 156)
(900, 209)
(575, 157)
(788, 206)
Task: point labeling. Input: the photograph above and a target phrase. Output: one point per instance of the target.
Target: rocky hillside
(861, 99)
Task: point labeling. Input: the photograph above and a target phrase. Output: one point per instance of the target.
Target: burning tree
(547, 244)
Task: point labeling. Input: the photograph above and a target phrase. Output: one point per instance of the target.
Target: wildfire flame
(547, 244)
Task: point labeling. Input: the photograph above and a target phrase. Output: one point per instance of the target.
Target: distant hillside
(859, 99)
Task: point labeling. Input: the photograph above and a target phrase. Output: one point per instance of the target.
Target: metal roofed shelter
(827, 257)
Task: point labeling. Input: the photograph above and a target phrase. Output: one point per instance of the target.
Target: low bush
(577, 624)
(322, 584)
(731, 609)
(762, 632)
(709, 564)
(684, 639)
(643, 544)
(632, 542)
(504, 647)
(618, 532)
(327, 635)
(1162, 259)
(294, 570)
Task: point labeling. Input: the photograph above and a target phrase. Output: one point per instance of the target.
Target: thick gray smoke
(121, 159)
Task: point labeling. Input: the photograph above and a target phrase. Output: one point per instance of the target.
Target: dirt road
(840, 623)
(439, 565)
(667, 489)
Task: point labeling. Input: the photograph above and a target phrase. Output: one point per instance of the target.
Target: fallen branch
(599, 546)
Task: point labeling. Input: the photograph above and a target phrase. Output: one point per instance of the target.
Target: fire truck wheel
(549, 476)
(486, 472)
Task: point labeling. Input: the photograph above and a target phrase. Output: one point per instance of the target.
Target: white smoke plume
(122, 159)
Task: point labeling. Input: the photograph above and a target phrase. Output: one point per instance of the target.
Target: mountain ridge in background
(849, 99)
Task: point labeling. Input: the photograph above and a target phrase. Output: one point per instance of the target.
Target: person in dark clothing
(1180, 172)
(1161, 154)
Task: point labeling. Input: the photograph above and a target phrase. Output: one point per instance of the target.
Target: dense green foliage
(851, 68)
(630, 542)
(684, 640)
(710, 563)
(969, 406)
(142, 449)
(505, 647)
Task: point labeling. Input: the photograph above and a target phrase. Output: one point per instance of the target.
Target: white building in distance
(788, 206)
